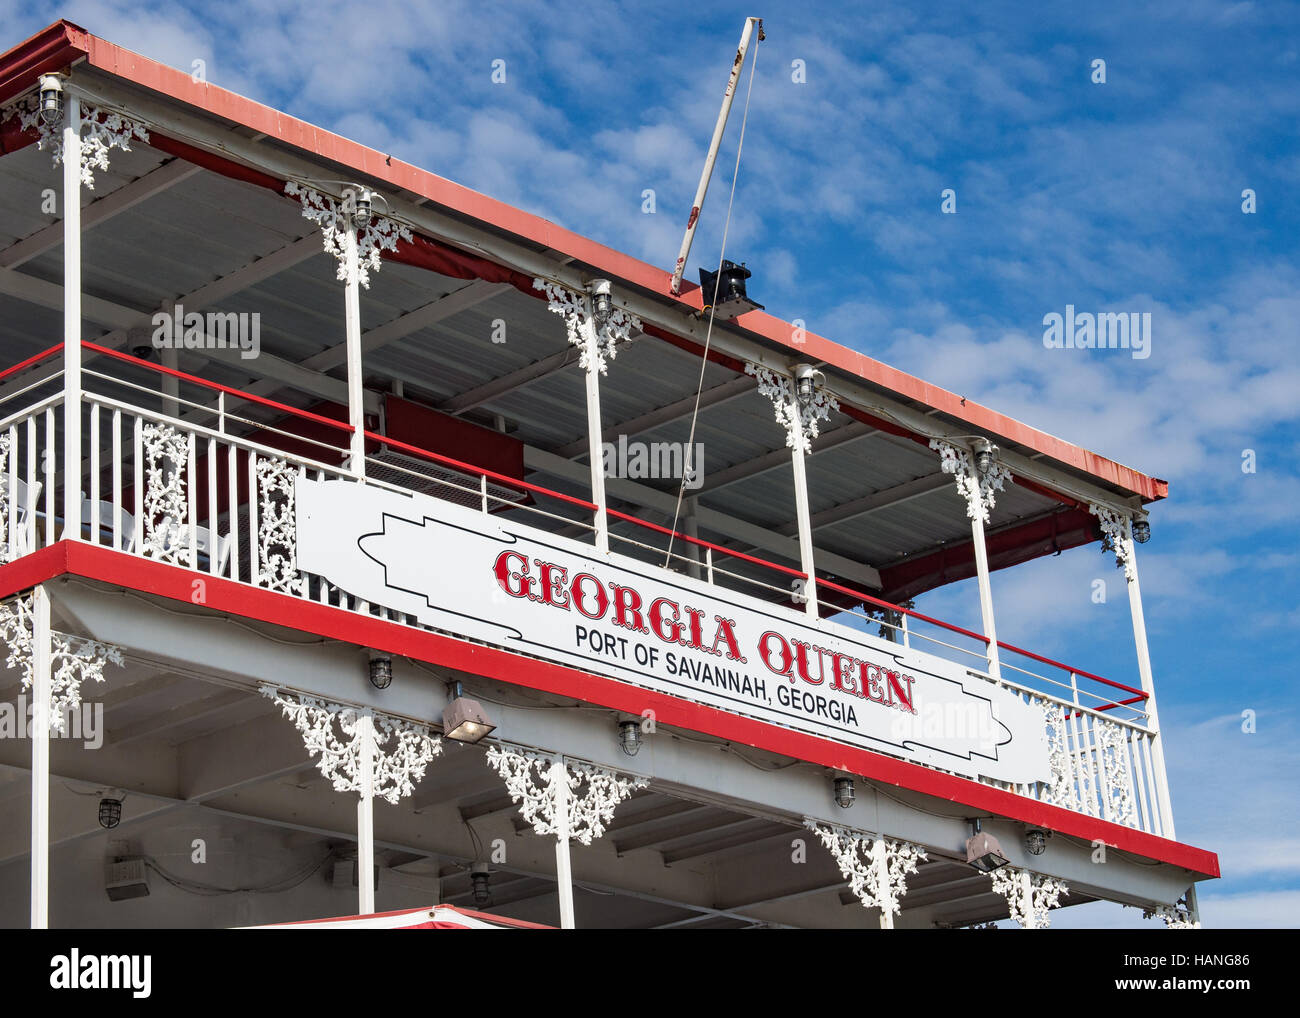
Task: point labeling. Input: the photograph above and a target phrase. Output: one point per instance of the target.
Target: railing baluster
(708, 564)
(48, 461)
(137, 449)
(253, 571)
(214, 525)
(191, 500)
(94, 474)
(11, 536)
(30, 508)
(117, 480)
(483, 489)
(1156, 826)
(232, 507)
(1133, 741)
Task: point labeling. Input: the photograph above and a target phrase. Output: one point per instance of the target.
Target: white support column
(40, 734)
(804, 519)
(799, 405)
(986, 595)
(72, 317)
(366, 815)
(595, 430)
(563, 865)
(565, 799)
(352, 318)
(1127, 553)
(598, 342)
(979, 476)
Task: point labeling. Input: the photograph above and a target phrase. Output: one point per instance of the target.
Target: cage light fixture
(110, 812)
(984, 455)
(844, 792)
(602, 300)
(1141, 531)
(51, 98)
(1036, 840)
(629, 737)
(381, 670)
(464, 719)
(480, 878)
(983, 851)
(806, 380)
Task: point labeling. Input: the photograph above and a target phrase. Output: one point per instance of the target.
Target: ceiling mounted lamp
(1036, 840)
(110, 812)
(984, 450)
(602, 300)
(1141, 531)
(464, 720)
(480, 878)
(844, 792)
(361, 200)
(806, 380)
(381, 670)
(629, 737)
(983, 851)
(51, 101)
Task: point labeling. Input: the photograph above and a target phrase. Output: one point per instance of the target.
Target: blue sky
(1117, 196)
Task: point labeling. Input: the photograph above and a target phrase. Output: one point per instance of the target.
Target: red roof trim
(136, 573)
(64, 40)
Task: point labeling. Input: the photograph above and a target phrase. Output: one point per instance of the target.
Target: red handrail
(251, 397)
(582, 503)
(905, 611)
(30, 361)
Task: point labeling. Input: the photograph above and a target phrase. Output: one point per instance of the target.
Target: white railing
(180, 485)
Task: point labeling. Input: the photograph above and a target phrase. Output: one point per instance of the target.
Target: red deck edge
(132, 572)
(61, 42)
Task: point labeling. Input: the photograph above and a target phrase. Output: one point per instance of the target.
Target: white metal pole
(71, 316)
(727, 98)
(563, 868)
(366, 816)
(804, 519)
(1148, 683)
(352, 316)
(986, 593)
(40, 734)
(595, 436)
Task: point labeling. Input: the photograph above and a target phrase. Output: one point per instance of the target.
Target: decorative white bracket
(1118, 531)
(573, 307)
(798, 420)
(538, 781)
(334, 219)
(875, 867)
(978, 490)
(1030, 896)
(1175, 917)
(73, 659)
(402, 749)
(101, 131)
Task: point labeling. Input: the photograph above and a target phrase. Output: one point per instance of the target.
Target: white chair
(22, 508)
(203, 544)
(99, 520)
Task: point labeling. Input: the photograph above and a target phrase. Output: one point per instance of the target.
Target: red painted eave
(50, 49)
(62, 41)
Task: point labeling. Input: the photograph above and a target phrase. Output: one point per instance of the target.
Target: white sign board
(509, 585)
